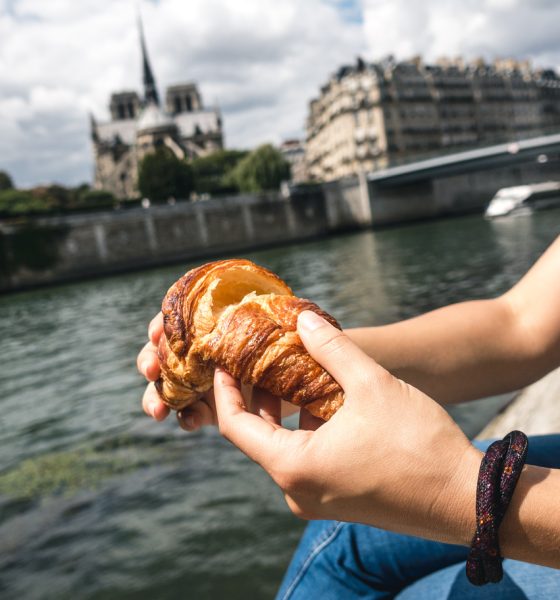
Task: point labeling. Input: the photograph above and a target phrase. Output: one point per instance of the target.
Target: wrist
(457, 502)
(529, 532)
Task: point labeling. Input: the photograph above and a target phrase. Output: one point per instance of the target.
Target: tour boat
(524, 199)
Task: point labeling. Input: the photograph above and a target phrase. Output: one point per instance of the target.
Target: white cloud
(261, 60)
(471, 28)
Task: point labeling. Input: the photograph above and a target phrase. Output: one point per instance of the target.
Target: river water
(98, 501)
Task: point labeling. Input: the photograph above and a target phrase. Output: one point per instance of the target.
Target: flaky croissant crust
(241, 317)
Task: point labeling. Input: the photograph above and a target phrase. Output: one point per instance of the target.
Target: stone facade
(372, 115)
(139, 125)
(294, 152)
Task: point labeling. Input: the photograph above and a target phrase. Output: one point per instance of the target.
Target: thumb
(253, 435)
(333, 350)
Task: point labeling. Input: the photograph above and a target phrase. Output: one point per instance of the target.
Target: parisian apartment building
(369, 116)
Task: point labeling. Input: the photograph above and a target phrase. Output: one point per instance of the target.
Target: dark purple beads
(499, 472)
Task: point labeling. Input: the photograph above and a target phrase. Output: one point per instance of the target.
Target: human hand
(197, 415)
(203, 412)
(390, 457)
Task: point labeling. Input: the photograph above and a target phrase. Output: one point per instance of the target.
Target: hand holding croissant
(241, 317)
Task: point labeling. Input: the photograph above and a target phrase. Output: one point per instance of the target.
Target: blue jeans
(338, 560)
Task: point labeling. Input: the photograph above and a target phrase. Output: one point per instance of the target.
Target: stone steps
(535, 410)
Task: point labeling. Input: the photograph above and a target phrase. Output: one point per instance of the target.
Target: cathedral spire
(150, 89)
(93, 128)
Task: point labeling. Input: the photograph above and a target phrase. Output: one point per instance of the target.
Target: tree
(6, 182)
(162, 175)
(211, 172)
(21, 202)
(263, 169)
(87, 198)
(54, 197)
(48, 199)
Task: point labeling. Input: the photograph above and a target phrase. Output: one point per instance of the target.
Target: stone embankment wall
(534, 410)
(56, 249)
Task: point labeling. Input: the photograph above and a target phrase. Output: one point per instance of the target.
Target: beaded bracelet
(499, 472)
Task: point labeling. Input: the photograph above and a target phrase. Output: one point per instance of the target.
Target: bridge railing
(488, 143)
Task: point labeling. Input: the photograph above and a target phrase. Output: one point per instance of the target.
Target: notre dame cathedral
(139, 125)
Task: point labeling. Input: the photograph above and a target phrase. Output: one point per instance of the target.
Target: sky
(260, 61)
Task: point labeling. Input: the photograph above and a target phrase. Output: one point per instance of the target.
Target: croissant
(242, 317)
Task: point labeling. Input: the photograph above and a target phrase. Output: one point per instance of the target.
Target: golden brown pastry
(239, 316)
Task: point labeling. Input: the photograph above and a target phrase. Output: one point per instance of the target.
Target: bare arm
(391, 457)
(456, 353)
(480, 348)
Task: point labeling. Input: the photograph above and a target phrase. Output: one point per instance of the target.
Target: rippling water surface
(98, 501)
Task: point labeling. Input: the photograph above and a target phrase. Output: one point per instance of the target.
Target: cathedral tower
(140, 124)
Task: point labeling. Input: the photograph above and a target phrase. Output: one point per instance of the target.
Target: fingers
(155, 328)
(153, 405)
(309, 421)
(199, 414)
(333, 350)
(250, 433)
(288, 408)
(147, 362)
(267, 406)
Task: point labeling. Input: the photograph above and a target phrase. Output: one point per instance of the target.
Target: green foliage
(95, 199)
(54, 196)
(211, 172)
(6, 182)
(21, 202)
(162, 175)
(52, 199)
(261, 170)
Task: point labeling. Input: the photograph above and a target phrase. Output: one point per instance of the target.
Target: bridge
(451, 184)
(541, 149)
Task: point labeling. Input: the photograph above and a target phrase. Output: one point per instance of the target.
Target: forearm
(531, 528)
(476, 349)
(456, 353)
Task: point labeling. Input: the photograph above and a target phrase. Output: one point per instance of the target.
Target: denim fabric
(336, 560)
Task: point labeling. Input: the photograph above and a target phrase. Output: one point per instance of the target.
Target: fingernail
(145, 366)
(152, 409)
(310, 321)
(187, 419)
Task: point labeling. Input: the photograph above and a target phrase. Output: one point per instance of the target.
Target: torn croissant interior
(242, 317)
